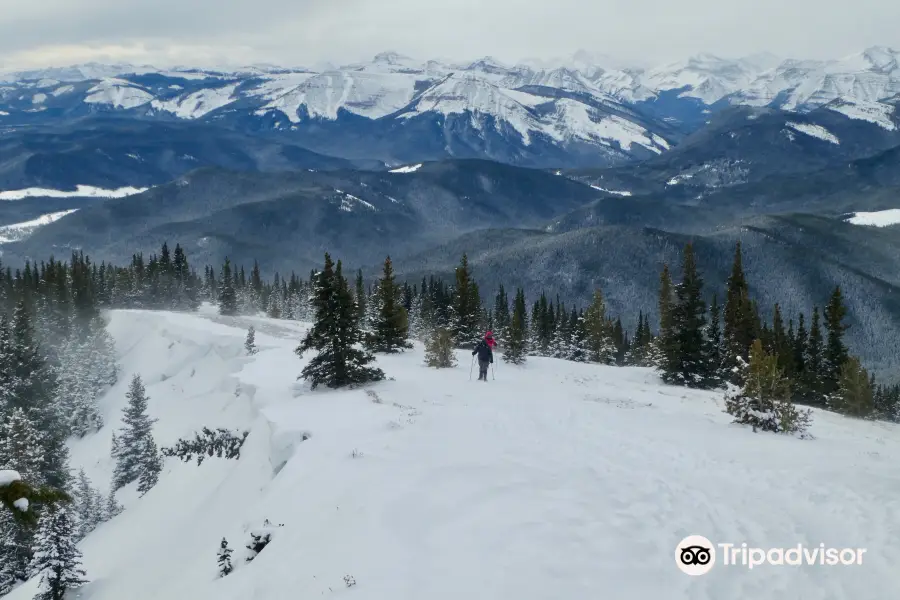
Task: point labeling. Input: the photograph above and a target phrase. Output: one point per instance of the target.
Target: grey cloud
(307, 31)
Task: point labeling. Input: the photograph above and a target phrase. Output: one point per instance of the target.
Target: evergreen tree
(134, 438)
(360, 296)
(854, 395)
(664, 354)
(390, 327)
(597, 331)
(56, 557)
(465, 306)
(250, 341)
(765, 400)
(835, 353)
(335, 334)
(112, 508)
(502, 318)
(87, 507)
(516, 345)
(813, 389)
(688, 363)
(739, 327)
(151, 466)
(224, 558)
(713, 346)
(227, 293)
(439, 349)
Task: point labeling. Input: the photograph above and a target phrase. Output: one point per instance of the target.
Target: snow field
(556, 480)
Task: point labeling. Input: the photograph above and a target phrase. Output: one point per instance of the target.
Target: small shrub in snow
(374, 396)
(224, 559)
(260, 538)
(439, 349)
(221, 443)
(349, 581)
(356, 454)
(250, 342)
(765, 400)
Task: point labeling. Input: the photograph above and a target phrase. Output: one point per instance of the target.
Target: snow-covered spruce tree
(465, 304)
(224, 558)
(390, 327)
(111, 508)
(439, 349)
(336, 335)
(88, 507)
(835, 353)
(690, 363)
(516, 347)
(854, 396)
(250, 341)
(502, 317)
(56, 557)
(228, 301)
(134, 436)
(739, 327)
(151, 467)
(765, 400)
(597, 332)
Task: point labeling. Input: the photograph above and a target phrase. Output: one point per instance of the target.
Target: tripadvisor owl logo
(695, 555)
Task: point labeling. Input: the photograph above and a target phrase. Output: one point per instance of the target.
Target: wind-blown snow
(119, 93)
(8, 476)
(816, 131)
(20, 231)
(199, 103)
(407, 169)
(555, 480)
(81, 191)
(881, 218)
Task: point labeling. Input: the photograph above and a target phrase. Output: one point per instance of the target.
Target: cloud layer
(306, 32)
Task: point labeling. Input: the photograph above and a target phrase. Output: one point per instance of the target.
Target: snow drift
(555, 480)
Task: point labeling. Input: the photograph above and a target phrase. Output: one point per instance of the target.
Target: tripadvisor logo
(696, 555)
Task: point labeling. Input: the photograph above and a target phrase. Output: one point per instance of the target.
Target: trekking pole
(471, 367)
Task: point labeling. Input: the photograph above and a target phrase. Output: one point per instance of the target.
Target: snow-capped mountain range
(557, 108)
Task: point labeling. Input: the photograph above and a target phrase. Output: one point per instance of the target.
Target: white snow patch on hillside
(620, 193)
(407, 169)
(20, 231)
(8, 476)
(816, 131)
(199, 103)
(874, 112)
(881, 218)
(81, 191)
(120, 93)
(3, 113)
(63, 89)
(38, 98)
(434, 486)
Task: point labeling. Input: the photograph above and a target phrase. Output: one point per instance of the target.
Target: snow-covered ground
(881, 218)
(19, 231)
(85, 191)
(553, 481)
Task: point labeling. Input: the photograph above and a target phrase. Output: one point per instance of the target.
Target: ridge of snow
(881, 218)
(816, 131)
(199, 103)
(19, 231)
(8, 476)
(407, 169)
(619, 193)
(81, 191)
(429, 485)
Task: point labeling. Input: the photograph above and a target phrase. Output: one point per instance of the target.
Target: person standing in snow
(485, 351)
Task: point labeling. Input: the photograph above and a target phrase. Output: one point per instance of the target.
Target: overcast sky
(305, 32)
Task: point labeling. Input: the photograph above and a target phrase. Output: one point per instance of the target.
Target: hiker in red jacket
(485, 352)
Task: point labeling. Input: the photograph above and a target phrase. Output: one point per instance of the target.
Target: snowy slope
(881, 218)
(20, 231)
(553, 481)
(87, 191)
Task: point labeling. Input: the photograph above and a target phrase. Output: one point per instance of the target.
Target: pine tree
(835, 353)
(87, 506)
(854, 395)
(813, 390)
(390, 328)
(689, 364)
(597, 331)
(713, 346)
(439, 349)
(56, 557)
(224, 559)
(250, 341)
(227, 293)
(112, 508)
(739, 331)
(151, 466)
(465, 305)
(516, 345)
(502, 317)
(765, 400)
(360, 297)
(336, 334)
(136, 434)
(666, 344)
